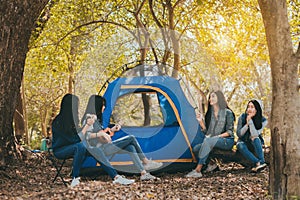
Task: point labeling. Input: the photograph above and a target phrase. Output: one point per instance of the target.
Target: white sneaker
(194, 174)
(152, 165)
(211, 167)
(122, 180)
(258, 167)
(75, 182)
(148, 176)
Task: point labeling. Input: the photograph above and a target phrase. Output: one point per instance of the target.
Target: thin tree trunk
(25, 118)
(44, 114)
(144, 48)
(71, 67)
(19, 122)
(259, 82)
(175, 40)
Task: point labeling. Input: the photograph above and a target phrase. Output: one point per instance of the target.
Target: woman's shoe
(152, 165)
(75, 182)
(194, 174)
(258, 167)
(211, 167)
(122, 180)
(148, 176)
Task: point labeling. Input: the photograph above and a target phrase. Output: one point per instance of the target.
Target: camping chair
(58, 165)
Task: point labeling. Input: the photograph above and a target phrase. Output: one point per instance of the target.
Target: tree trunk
(174, 39)
(285, 137)
(19, 122)
(25, 118)
(43, 117)
(17, 20)
(20, 119)
(72, 64)
(144, 43)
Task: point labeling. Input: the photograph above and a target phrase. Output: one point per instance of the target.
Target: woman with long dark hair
(250, 125)
(66, 142)
(100, 138)
(218, 128)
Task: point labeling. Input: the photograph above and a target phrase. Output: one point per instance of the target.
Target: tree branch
(42, 20)
(140, 8)
(153, 14)
(178, 2)
(96, 22)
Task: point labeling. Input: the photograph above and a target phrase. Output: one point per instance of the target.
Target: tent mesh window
(129, 110)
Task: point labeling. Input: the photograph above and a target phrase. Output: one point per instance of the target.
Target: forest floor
(32, 179)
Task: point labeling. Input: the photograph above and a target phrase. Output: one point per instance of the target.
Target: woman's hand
(200, 119)
(224, 135)
(117, 127)
(249, 117)
(103, 137)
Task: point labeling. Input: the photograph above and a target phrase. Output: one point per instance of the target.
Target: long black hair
(67, 119)
(257, 118)
(222, 105)
(94, 106)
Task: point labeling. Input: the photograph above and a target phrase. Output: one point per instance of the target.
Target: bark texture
(17, 20)
(285, 137)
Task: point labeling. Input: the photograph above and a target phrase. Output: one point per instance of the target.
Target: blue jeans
(99, 155)
(129, 145)
(208, 144)
(245, 151)
(77, 151)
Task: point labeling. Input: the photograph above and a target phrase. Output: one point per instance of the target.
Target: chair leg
(58, 173)
(58, 167)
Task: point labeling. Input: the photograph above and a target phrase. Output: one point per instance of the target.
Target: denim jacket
(223, 123)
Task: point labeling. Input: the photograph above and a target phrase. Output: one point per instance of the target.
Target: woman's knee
(230, 143)
(80, 147)
(129, 138)
(240, 146)
(196, 148)
(226, 144)
(255, 139)
(132, 138)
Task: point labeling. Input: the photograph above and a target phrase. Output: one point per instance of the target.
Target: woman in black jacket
(249, 128)
(66, 142)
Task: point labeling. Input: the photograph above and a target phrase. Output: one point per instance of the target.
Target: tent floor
(131, 169)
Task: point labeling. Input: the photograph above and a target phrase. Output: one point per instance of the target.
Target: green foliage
(222, 46)
(36, 143)
(294, 19)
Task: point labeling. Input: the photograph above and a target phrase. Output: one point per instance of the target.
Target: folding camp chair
(58, 165)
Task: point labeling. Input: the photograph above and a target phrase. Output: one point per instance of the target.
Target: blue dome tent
(172, 135)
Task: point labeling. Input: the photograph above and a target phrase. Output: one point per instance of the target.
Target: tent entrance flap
(172, 106)
(168, 112)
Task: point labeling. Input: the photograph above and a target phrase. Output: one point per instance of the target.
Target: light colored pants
(129, 145)
(203, 149)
